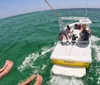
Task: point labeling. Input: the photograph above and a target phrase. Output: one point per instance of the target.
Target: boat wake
(95, 65)
(31, 58)
(61, 80)
(96, 47)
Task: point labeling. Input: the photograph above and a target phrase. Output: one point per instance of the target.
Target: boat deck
(72, 59)
(76, 52)
(80, 52)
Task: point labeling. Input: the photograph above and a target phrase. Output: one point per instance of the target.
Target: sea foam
(62, 80)
(96, 47)
(31, 58)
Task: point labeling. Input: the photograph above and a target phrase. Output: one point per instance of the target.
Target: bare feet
(32, 77)
(38, 80)
(2, 69)
(9, 66)
(29, 80)
(6, 69)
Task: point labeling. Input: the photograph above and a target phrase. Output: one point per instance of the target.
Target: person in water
(6, 68)
(31, 78)
(85, 32)
(64, 33)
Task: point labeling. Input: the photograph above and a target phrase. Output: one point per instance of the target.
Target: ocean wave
(96, 47)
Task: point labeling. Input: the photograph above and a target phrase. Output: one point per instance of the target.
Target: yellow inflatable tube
(71, 63)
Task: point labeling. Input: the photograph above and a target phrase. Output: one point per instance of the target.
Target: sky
(16, 7)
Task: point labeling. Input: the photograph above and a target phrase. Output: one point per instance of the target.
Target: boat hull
(71, 63)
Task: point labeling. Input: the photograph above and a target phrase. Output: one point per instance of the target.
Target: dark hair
(68, 27)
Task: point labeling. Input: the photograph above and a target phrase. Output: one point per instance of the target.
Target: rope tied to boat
(52, 9)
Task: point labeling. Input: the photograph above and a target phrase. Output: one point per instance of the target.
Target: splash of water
(28, 61)
(96, 47)
(31, 58)
(62, 80)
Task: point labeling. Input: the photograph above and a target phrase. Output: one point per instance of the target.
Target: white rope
(52, 8)
(86, 8)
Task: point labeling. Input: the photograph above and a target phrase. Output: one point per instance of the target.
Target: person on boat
(77, 26)
(64, 33)
(85, 32)
(6, 68)
(31, 78)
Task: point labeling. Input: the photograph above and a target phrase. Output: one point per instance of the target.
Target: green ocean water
(29, 39)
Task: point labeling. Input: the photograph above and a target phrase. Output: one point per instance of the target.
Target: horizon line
(41, 11)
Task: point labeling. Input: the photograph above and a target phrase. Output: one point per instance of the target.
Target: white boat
(72, 59)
